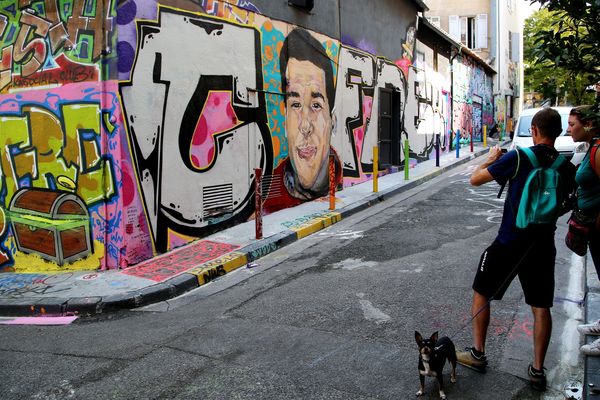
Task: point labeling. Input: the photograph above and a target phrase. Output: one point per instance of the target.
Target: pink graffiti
(359, 133)
(217, 116)
(404, 64)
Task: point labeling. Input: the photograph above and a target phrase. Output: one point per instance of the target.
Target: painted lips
(307, 152)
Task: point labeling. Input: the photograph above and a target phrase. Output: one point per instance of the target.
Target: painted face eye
(317, 106)
(295, 105)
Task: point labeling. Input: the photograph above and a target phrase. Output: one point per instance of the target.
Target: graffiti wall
(130, 128)
(209, 122)
(68, 197)
(473, 99)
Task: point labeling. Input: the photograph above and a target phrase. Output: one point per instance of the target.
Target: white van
(564, 143)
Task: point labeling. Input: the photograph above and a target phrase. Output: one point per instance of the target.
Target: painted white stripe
(567, 370)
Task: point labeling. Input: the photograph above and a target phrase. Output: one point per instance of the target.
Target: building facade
(130, 128)
(454, 85)
(493, 30)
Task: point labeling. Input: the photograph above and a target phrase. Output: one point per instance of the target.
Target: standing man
(526, 253)
(308, 84)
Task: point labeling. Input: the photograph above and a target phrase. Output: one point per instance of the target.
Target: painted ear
(418, 337)
(434, 337)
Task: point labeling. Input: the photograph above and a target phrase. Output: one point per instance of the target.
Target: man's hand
(494, 154)
(481, 175)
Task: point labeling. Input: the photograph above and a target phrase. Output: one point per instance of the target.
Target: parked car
(572, 151)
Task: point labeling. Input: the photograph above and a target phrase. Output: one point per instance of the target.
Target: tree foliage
(542, 75)
(570, 42)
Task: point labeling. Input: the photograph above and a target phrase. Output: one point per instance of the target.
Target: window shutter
(482, 31)
(454, 27)
(516, 46)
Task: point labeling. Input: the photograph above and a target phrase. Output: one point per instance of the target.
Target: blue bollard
(457, 143)
(437, 150)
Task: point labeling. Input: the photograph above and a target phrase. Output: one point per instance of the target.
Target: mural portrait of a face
(308, 85)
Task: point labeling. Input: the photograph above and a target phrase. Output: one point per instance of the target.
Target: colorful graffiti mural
(66, 141)
(197, 131)
(54, 42)
(473, 99)
(137, 140)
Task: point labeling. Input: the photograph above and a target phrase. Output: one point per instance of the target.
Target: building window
(510, 45)
(467, 31)
(420, 64)
(434, 21)
(470, 31)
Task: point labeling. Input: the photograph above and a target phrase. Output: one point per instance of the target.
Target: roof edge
(462, 49)
(421, 6)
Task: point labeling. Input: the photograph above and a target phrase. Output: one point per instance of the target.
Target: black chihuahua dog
(433, 354)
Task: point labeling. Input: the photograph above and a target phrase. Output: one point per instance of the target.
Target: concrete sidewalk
(193, 265)
(591, 383)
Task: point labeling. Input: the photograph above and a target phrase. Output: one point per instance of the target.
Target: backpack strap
(532, 157)
(593, 151)
(558, 162)
(534, 161)
(518, 162)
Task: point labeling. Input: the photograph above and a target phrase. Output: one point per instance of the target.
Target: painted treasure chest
(53, 224)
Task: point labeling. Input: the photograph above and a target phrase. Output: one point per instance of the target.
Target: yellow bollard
(484, 136)
(375, 168)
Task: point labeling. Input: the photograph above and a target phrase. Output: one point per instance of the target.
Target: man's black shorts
(533, 263)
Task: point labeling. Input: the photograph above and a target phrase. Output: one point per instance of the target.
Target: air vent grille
(217, 200)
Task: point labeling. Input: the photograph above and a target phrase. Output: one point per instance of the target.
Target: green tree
(541, 76)
(570, 44)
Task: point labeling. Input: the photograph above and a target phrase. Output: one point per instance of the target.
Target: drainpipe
(339, 7)
(458, 49)
(496, 51)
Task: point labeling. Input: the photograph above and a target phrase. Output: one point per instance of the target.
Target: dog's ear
(418, 337)
(434, 337)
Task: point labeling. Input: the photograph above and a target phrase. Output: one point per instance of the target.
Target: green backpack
(542, 197)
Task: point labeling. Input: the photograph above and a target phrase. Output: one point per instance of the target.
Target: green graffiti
(65, 155)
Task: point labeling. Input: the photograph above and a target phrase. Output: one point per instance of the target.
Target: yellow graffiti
(225, 10)
(51, 153)
(33, 263)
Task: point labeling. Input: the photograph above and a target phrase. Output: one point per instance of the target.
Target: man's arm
(481, 174)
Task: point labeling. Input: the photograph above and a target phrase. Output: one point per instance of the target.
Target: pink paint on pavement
(39, 321)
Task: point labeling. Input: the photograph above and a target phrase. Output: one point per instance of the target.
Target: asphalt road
(329, 317)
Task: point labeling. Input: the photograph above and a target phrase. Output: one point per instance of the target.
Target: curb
(591, 364)
(205, 273)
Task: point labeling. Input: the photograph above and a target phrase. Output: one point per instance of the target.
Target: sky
(528, 9)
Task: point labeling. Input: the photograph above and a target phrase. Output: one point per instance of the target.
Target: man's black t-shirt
(504, 169)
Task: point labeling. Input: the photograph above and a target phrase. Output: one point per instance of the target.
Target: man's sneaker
(537, 378)
(592, 349)
(590, 329)
(472, 358)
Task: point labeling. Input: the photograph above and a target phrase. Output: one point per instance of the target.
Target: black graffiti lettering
(30, 290)
(213, 273)
(77, 74)
(38, 80)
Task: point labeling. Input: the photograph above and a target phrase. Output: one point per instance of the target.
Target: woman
(584, 127)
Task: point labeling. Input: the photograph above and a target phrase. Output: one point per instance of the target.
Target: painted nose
(305, 125)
